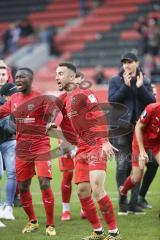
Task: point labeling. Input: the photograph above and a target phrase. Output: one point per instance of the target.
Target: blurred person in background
(83, 7)
(5, 74)
(8, 154)
(26, 28)
(11, 39)
(46, 34)
(99, 76)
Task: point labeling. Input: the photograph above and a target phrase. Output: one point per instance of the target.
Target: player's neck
(27, 91)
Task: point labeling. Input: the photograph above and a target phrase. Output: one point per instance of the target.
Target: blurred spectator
(149, 28)
(10, 39)
(142, 28)
(26, 28)
(83, 7)
(98, 3)
(99, 76)
(153, 36)
(155, 71)
(3, 64)
(8, 153)
(5, 74)
(47, 35)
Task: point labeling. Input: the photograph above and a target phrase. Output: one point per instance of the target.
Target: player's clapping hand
(127, 78)
(143, 159)
(139, 81)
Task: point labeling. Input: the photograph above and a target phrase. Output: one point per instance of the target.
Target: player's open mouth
(19, 85)
(59, 84)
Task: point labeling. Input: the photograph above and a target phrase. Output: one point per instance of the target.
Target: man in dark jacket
(131, 89)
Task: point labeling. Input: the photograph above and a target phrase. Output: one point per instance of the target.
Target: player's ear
(73, 77)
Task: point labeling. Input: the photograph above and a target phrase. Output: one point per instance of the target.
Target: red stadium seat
(130, 35)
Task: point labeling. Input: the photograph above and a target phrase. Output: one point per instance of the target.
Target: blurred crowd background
(91, 33)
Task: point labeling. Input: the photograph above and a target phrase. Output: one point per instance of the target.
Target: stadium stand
(98, 38)
(101, 37)
(16, 10)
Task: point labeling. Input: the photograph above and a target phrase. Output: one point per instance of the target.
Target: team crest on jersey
(144, 114)
(92, 98)
(30, 107)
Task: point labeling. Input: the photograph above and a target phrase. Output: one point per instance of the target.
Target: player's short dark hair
(79, 74)
(69, 65)
(26, 69)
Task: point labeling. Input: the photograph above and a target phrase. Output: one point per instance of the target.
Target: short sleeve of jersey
(147, 114)
(5, 109)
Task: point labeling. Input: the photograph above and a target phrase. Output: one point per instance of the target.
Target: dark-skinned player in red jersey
(146, 137)
(33, 112)
(89, 124)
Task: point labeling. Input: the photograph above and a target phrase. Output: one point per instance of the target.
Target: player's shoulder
(79, 90)
(87, 95)
(153, 107)
(36, 93)
(63, 97)
(15, 95)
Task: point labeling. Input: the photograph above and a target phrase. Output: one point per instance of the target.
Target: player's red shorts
(36, 163)
(135, 152)
(66, 163)
(86, 161)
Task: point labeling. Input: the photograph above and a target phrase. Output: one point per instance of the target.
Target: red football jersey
(31, 112)
(151, 118)
(66, 125)
(87, 118)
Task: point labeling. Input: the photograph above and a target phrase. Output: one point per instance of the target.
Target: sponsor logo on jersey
(72, 114)
(92, 98)
(30, 107)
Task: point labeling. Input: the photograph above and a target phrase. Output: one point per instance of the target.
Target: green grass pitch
(146, 227)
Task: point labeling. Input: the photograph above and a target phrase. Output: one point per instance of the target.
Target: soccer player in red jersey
(146, 137)
(89, 124)
(66, 162)
(32, 112)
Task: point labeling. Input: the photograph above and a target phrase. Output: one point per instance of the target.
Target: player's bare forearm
(139, 135)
